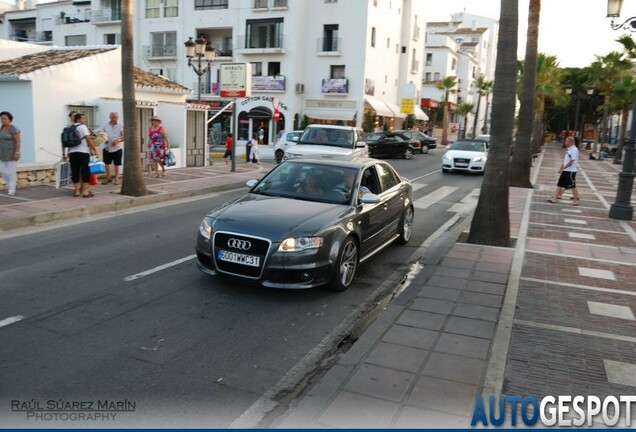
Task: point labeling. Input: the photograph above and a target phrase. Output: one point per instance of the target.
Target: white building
(465, 48)
(41, 88)
(329, 60)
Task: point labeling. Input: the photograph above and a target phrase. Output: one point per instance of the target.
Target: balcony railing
(159, 51)
(106, 15)
(328, 45)
(74, 19)
(276, 46)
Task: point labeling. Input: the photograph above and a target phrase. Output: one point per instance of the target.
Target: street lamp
(622, 207)
(200, 49)
(614, 11)
(578, 96)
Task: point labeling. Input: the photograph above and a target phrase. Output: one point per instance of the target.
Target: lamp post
(200, 49)
(622, 207)
(578, 96)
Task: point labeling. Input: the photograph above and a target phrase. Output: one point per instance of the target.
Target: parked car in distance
(392, 144)
(466, 155)
(483, 137)
(287, 138)
(307, 223)
(329, 142)
(427, 142)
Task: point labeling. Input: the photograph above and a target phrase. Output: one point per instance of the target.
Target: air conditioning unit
(300, 88)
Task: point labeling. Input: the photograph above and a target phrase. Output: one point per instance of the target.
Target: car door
(372, 216)
(393, 197)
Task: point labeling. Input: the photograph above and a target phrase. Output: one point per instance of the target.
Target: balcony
(73, 19)
(328, 46)
(335, 86)
(268, 83)
(41, 37)
(262, 47)
(105, 16)
(159, 52)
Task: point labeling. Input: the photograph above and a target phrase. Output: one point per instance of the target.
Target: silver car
(307, 223)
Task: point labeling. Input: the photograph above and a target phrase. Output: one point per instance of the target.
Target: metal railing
(158, 51)
(105, 15)
(328, 44)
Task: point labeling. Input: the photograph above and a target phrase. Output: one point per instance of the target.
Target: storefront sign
(234, 79)
(268, 83)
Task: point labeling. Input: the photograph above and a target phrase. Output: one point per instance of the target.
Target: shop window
(243, 126)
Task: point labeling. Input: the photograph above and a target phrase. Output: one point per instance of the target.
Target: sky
(572, 30)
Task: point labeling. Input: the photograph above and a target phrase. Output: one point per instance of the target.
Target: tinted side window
(388, 177)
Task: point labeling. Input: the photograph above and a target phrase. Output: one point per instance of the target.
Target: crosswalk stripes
(466, 204)
(428, 200)
(418, 186)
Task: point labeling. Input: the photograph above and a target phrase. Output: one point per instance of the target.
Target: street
(114, 310)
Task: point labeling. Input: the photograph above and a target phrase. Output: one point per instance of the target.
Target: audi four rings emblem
(239, 244)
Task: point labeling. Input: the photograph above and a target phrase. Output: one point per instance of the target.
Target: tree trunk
(445, 120)
(618, 157)
(522, 155)
(476, 115)
(491, 221)
(537, 136)
(133, 183)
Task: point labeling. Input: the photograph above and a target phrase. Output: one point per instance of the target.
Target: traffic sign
(235, 79)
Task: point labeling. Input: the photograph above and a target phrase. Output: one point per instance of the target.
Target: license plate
(461, 164)
(238, 258)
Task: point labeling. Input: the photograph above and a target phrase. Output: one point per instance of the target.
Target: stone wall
(33, 175)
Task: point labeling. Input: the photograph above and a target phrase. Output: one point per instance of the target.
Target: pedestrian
(261, 135)
(254, 155)
(567, 171)
(113, 150)
(9, 151)
(79, 158)
(158, 146)
(229, 145)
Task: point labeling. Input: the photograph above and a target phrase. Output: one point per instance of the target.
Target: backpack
(69, 137)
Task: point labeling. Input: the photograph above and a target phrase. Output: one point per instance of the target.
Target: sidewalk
(552, 316)
(35, 205)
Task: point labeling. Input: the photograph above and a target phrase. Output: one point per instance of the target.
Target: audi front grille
(244, 247)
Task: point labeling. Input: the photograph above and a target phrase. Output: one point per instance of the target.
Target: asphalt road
(114, 310)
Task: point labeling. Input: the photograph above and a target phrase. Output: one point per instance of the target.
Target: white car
(287, 138)
(329, 142)
(466, 155)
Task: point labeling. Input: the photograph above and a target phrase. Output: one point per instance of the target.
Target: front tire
(424, 148)
(346, 265)
(408, 153)
(406, 226)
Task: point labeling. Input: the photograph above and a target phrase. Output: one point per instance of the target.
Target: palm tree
(448, 86)
(547, 86)
(464, 109)
(606, 71)
(484, 87)
(132, 179)
(491, 221)
(623, 95)
(522, 156)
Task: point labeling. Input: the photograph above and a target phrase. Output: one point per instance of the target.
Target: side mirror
(251, 183)
(294, 139)
(361, 144)
(369, 198)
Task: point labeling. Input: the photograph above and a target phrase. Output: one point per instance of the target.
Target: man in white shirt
(567, 178)
(113, 149)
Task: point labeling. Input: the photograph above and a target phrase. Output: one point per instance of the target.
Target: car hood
(320, 151)
(463, 154)
(275, 218)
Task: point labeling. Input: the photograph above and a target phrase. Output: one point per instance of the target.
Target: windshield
(469, 146)
(327, 137)
(308, 181)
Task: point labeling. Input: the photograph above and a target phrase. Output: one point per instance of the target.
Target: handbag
(96, 166)
(171, 159)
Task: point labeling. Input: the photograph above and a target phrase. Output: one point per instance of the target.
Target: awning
(260, 112)
(379, 107)
(330, 114)
(419, 114)
(396, 110)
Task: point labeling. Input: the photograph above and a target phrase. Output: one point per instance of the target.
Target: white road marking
(156, 269)
(466, 204)
(11, 320)
(428, 200)
(596, 273)
(417, 186)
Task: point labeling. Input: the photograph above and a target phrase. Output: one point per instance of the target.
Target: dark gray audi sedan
(307, 223)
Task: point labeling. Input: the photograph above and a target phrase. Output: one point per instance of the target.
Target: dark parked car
(391, 144)
(307, 223)
(426, 141)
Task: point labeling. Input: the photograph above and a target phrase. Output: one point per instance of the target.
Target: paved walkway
(43, 204)
(552, 316)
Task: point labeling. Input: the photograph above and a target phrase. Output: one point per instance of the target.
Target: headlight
(479, 159)
(300, 244)
(205, 229)
(446, 157)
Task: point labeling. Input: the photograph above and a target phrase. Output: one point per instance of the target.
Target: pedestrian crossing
(465, 205)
